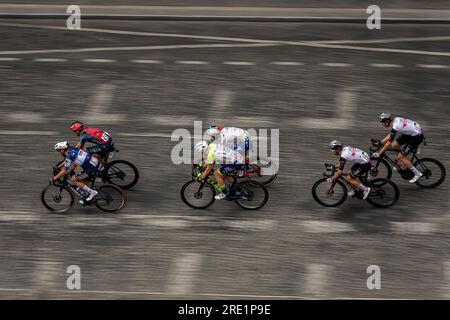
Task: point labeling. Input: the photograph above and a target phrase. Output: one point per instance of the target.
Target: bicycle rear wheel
(197, 195)
(433, 172)
(327, 197)
(57, 199)
(268, 172)
(381, 170)
(384, 193)
(122, 173)
(110, 198)
(253, 195)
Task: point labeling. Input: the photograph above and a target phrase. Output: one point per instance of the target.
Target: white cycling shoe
(366, 193)
(91, 195)
(416, 178)
(220, 196)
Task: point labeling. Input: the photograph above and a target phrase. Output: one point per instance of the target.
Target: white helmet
(202, 145)
(61, 146)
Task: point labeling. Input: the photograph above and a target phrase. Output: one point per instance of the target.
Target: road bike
(433, 171)
(384, 193)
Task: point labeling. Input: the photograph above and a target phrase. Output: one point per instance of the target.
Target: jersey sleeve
(84, 138)
(210, 157)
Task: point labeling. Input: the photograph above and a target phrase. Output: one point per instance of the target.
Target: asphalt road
(157, 247)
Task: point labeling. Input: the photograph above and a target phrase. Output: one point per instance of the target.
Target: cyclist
(77, 157)
(361, 165)
(102, 140)
(411, 136)
(231, 137)
(233, 162)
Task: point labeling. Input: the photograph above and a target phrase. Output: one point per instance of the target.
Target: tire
(192, 189)
(382, 170)
(52, 195)
(248, 188)
(423, 165)
(377, 196)
(117, 172)
(108, 194)
(271, 173)
(317, 193)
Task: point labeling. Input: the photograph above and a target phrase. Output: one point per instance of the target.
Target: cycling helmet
(214, 130)
(385, 118)
(61, 146)
(77, 126)
(202, 145)
(335, 145)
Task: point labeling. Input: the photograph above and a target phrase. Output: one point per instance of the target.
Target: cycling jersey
(405, 127)
(231, 136)
(353, 155)
(95, 136)
(220, 154)
(80, 158)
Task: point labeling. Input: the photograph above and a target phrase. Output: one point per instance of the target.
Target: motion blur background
(142, 79)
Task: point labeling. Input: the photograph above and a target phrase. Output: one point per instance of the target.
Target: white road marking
(10, 59)
(19, 217)
(446, 281)
(49, 60)
(222, 101)
(167, 47)
(239, 63)
(146, 61)
(345, 118)
(250, 225)
(315, 283)
(433, 66)
(97, 110)
(413, 227)
(325, 226)
(27, 133)
(100, 60)
(288, 63)
(335, 64)
(25, 116)
(191, 62)
(385, 65)
(183, 274)
(171, 120)
(144, 134)
(389, 40)
(46, 272)
(172, 223)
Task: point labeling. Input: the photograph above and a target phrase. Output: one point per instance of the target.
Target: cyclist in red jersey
(101, 139)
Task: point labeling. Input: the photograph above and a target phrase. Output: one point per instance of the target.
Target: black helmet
(385, 118)
(335, 145)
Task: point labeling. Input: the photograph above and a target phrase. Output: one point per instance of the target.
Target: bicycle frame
(389, 159)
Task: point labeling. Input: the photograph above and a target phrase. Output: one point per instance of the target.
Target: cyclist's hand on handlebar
(330, 180)
(375, 155)
(199, 178)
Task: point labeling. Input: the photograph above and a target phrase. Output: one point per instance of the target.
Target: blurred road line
(413, 227)
(446, 281)
(49, 60)
(335, 64)
(10, 59)
(146, 61)
(28, 133)
(183, 273)
(97, 110)
(288, 63)
(205, 13)
(385, 65)
(100, 60)
(316, 281)
(433, 66)
(325, 226)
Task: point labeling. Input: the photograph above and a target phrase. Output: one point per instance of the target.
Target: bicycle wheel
(197, 195)
(329, 198)
(254, 195)
(57, 199)
(122, 173)
(433, 172)
(110, 198)
(268, 172)
(384, 193)
(381, 170)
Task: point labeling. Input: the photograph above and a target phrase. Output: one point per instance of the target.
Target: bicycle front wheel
(197, 195)
(57, 199)
(110, 198)
(433, 172)
(327, 197)
(384, 193)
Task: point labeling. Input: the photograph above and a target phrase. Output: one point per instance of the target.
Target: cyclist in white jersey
(230, 159)
(361, 165)
(411, 136)
(230, 137)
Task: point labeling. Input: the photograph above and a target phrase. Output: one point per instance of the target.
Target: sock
(415, 171)
(86, 188)
(362, 187)
(222, 188)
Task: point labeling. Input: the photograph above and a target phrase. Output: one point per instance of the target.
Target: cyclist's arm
(340, 169)
(386, 142)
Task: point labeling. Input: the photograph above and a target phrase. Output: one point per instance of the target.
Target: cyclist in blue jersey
(77, 157)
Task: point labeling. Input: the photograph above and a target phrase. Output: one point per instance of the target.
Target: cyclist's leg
(357, 171)
(80, 181)
(96, 151)
(410, 145)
